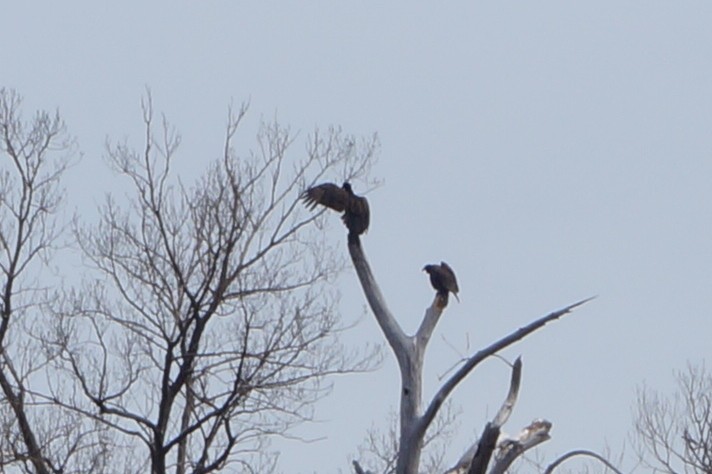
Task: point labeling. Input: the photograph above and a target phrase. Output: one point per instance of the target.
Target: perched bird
(443, 280)
(341, 199)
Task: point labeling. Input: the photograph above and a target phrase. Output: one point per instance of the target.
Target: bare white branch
(581, 452)
(481, 355)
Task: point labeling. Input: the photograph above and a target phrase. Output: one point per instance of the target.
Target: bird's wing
(327, 194)
(449, 277)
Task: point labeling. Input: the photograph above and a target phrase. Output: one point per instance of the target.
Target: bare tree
(674, 432)
(208, 325)
(34, 155)
(414, 420)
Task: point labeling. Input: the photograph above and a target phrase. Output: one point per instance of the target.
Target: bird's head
(428, 268)
(347, 187)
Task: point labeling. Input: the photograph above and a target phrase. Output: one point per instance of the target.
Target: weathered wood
(481, 355)
(508, 405)
(536, 433)
(409, 352)
(478, 456)
(485, 448)
(391, 329)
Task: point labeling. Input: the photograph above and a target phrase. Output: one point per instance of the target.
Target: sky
(548, 151)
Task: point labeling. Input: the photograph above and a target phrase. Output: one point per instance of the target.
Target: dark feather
(327, 194)
(341, 199)
(357, 215)
(443, 280)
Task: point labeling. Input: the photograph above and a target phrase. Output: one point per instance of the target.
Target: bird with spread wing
(341, 199)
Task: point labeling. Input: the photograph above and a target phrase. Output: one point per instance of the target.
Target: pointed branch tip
(571, 307)
(582, 302)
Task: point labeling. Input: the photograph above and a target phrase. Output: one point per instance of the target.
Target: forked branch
(478, 456)
(510, 449)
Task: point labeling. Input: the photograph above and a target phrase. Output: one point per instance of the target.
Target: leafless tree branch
(409, 352)
(581, 452)
(674, 433)
(210, 324)
(37, 154)
(481, 355)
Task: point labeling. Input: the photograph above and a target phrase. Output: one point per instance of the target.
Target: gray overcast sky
(548, 150)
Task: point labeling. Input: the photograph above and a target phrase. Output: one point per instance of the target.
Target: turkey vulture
(341, 199)
(443, 280)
